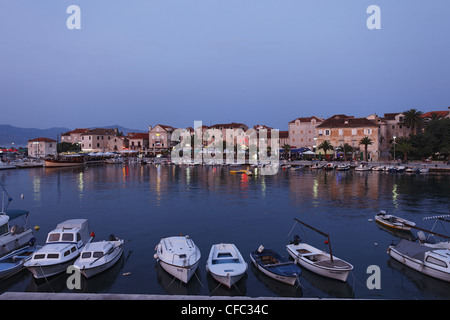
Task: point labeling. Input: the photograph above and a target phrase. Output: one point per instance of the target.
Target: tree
(413, 119)
(325, 146)
(366, 141)
(346, 148)
(286, 150)
(403, 145)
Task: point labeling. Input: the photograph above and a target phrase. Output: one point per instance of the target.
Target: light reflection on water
(146, 203)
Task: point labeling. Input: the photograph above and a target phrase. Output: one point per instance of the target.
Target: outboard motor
(297, 240)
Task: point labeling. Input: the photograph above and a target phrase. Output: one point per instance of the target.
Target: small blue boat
(273, 265)
(12, 263)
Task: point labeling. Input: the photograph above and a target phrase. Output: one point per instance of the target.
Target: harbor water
(144, 203)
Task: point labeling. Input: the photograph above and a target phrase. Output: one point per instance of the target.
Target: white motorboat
(394, 222)
(5, 165)
(15, 236)
(318, 165)
(13, 233)
(396, 169)
(179, 256)
(430, 261)
(424, 169)
(378, 168)
(62, 248)
(412, 169)
(364, 167)
(343, 167)
(99, 256)
(316, 260)
(226, 264)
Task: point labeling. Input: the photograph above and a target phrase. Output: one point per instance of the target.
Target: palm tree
(286, 150)
(366, 141)
(413, 119)
(325, 146)
(346, 148)
(404, 146)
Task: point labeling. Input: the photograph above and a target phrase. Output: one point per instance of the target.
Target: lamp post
(394, 147)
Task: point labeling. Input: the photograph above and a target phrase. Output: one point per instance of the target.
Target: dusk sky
(142, 62)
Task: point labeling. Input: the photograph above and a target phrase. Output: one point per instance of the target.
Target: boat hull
(338, 269)
(55, 164)
(182, 273)
(91, 272)
(48, 270)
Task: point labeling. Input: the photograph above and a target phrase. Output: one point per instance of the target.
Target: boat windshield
(67, 236)
(53, 237)
(4, 229)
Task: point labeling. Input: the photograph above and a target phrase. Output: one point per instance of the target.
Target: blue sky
(143, 62)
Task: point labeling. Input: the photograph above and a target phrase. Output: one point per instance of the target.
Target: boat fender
(32, 241)
(260, 249)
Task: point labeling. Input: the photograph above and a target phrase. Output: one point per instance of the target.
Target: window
(353, 132)
(67, 237)
(66, 253)
(367, 131)
(78, 236)
(86, 255)
(97, 254)
(341, 132)
(39, 256)
(53, 237)
(73, 249)
(327, 132)
(4, 229)
(320, 132)
(436, 262)
(52, 256)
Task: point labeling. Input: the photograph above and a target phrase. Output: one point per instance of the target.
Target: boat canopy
(16, 213)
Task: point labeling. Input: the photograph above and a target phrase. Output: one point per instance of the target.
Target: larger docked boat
(179, 256)
(64, 161)
(62, 248)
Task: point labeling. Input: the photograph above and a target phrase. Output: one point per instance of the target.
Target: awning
(15, 213)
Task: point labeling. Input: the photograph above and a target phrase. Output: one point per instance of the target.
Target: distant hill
(20, 136)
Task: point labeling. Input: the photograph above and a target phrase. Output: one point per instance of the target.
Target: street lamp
(394, 147)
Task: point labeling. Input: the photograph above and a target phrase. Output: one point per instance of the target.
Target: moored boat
(12, 263)
(273, 265)
(62, 248)
(343, 167)
(364, 166)
(13, 233)
(427, 260)
(64, 161)
(318, 165)
(316, 260)
(394, 222)
(226, 264)
(99, 256)
(247, 172)
(179, 256)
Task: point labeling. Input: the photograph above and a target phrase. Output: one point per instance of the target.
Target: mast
(322, 233)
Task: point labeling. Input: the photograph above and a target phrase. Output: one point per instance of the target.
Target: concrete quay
(121, 296)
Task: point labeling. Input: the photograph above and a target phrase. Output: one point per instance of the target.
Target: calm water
(142, 204)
